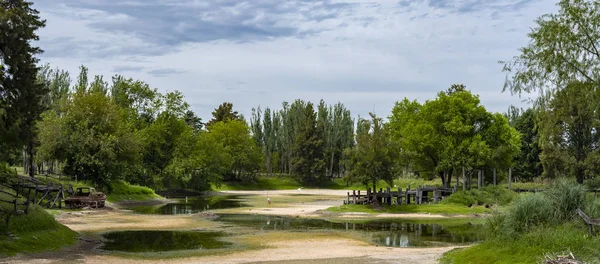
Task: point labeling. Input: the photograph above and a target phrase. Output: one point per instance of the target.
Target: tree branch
(587, 34)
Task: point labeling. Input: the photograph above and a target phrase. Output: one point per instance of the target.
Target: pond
(389, 232)
(157, 241)
(191, 205)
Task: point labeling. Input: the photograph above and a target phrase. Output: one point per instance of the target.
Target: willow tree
(563, 47)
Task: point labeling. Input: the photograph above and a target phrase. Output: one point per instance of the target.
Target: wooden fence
(420, 195)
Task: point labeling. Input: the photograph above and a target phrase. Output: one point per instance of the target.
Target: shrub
(526, 213)
(565, 196)
(487, 195)
(122, 187)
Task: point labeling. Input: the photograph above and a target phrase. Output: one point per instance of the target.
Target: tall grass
(526, 213)
(565, 196)
(534, 225)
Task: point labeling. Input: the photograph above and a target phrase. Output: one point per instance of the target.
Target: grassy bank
(531, 247)
(36, 231)
(443, 209)
(536, 226)
(123, 191)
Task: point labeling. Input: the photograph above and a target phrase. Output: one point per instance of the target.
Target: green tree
(235, 136)
(91, 138)
(528, 165)
(563, 47)
(372, 159)
(308, 147)
(451, 132)
(569, 131)
(223, 113)
(21, 94)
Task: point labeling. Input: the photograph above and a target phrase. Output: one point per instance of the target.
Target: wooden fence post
(399, 200)
(389, 201)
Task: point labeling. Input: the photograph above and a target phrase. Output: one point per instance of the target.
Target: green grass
(36, 231)
(531, 247)
(123, 191)
(487, 195)
(443, 209)
(283, 182)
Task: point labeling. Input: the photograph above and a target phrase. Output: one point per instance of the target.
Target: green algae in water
(156, 241)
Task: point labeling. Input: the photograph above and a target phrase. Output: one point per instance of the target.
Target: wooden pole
(399, 200)
(479, 179)
(464, 179)
(509, 177)
(483, 178)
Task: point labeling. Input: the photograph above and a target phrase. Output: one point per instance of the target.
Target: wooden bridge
(420, 195)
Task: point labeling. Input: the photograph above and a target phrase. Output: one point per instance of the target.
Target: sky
(364, 54)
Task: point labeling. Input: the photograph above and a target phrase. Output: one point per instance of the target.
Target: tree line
(101, 130)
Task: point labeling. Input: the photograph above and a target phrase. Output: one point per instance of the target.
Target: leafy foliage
(372, 158)
(569, 130)
(562, 48)
(451, 132)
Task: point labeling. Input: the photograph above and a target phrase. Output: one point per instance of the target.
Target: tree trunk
(331, 165)
(579, 174)
(30, 152)
(495, 183)
(449, 178)
(442, 175)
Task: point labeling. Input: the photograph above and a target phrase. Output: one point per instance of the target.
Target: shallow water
(191, 206)
(392, 233)
(156, 241)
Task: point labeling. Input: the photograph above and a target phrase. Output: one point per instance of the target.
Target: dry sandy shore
(323, 250)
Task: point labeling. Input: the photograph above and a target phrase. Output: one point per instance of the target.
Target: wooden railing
(589, 221)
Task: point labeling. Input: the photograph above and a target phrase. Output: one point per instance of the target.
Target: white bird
(300, 189)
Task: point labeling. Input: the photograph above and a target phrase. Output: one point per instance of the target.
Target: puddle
(392, 233)
(156, 241)
(191, 206)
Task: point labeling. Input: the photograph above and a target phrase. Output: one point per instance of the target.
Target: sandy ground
(308, 251)
(311, 209)
(329, 250)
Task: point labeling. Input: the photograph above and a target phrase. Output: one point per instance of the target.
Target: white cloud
(366, 56)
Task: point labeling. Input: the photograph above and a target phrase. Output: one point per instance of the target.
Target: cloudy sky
(365, 54)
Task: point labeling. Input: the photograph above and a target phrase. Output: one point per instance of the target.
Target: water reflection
(391, 233)
(159, 240)
(191, 205)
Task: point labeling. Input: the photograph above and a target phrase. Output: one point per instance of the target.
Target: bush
(487, 195)
(566, 196)
(526, 213)
(122, 187)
